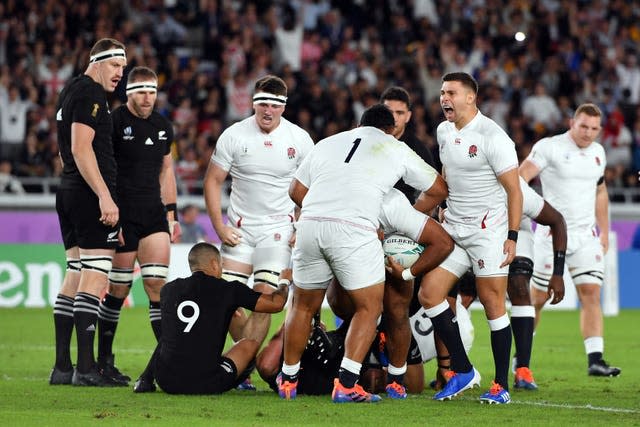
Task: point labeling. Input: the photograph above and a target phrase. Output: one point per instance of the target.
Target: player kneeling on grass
(196, 312)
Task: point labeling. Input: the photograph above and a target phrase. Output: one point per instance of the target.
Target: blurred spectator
(616, 139)
(13, 124)
(288, 33)
(192, 232)
(628, 73)
(9, 184)
(541, 111)
(188, 171)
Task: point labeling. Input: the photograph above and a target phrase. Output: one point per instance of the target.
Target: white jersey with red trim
(472, 158)
(348, 174)
(261, 166)
(398, 216)
(569, 176)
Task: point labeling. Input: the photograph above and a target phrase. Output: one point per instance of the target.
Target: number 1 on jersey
(353, 150)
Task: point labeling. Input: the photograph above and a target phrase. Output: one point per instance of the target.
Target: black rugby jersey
(196, 312)
(140, 146)
(84, 101)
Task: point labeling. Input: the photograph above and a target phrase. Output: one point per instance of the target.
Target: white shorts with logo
(265, 247)
(584, 259)
(477, 248)
(328, 249)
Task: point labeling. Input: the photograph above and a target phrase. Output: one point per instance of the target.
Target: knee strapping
(74, 265)
(154, 271)
(540, 281)
(267, 276)
(522, 266)
(97, 263)
(231, 276)
(121, 276)
(587, 275)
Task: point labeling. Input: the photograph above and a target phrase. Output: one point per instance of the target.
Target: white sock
(290, 370)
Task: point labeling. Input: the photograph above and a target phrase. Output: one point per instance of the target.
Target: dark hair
(271, 84)
(201, 253)
(396, 93)
(141, 73)
(105, 44)
(465, 78)
(378, 116)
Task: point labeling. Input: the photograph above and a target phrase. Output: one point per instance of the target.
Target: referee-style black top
(193, 338)
(84, 101)
(140, 146)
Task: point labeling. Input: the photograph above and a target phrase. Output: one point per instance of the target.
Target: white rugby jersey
(472, 158)
(569, 176)
(397, 215)
(261, 166)
(532, 202)
(348, 174)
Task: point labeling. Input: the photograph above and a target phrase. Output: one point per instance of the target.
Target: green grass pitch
(567, 396)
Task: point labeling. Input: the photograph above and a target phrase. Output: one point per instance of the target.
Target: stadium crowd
(336, 58)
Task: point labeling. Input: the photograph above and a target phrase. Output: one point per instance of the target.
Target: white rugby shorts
(329, 248)
(477, 248)
(265, 247)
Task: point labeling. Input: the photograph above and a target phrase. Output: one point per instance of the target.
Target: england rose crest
(291, 152)
(473, 151)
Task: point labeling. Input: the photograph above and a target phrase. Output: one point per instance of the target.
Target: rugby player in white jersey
(571, 168)
(261, 153)
(398, 216)
(520, 272)
(340, 187)
(479, 160)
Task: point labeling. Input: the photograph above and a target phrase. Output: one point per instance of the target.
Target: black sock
(85, 316)
(397, 378)
(63, 322)
(594, 357)
(291, 378)
(449, 333)
(148, 372)
(108, 317)
(523, 336)
(501, 348)
(347, 378)
(155, 318)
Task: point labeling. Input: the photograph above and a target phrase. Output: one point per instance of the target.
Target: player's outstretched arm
(275, 301)
(297, 191)
(169, 194)
(429, 199)
(213, 180)
(554, 219)
(438, 245)
(511, 184)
